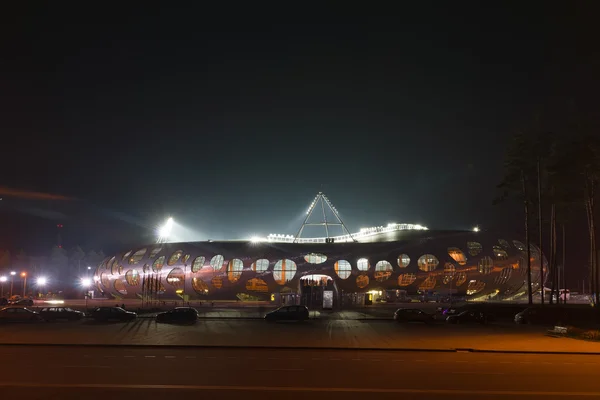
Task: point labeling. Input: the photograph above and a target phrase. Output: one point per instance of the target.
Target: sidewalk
(313, 334)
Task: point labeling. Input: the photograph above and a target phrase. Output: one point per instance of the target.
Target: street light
(41, 281)
(2, 280)
(86, 283)
(24, 276)
(165, 231)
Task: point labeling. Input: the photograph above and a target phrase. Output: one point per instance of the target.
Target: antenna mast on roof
(323, 201)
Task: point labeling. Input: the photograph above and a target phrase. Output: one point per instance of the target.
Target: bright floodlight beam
(86, 282)
(41, 281)
(476, 229)
(165, 231)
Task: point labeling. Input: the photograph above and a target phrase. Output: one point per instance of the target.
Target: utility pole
(539, 182)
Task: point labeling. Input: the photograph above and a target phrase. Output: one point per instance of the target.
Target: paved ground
(155, 373)
(318, 333)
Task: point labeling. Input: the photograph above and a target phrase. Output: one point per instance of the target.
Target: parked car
(58, 313)
(178, 315)
(18, 314)
(22, 302)
(412, 315)
(469, 316)
(288, 313)
(112, 314)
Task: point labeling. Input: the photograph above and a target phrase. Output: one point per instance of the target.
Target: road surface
(115, 372)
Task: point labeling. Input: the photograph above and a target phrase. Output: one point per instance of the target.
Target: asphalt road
(115, 372)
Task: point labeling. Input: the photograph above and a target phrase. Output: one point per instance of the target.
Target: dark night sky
(231, 120)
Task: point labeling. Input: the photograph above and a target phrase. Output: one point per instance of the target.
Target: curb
(298, 348)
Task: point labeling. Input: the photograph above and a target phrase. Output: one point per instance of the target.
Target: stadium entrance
(318, 291)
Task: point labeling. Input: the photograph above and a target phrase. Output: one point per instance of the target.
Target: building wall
(467, 263)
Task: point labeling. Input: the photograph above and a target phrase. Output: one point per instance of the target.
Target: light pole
(85, 283)
(12, 281)
(24, 276)
(2, 280)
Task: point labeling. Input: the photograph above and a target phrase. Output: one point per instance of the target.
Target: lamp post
(12, 281)
(41, 282)
(24, 276)
(85, 283)
(2, 280)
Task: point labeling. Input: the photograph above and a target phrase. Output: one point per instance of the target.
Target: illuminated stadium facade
(386, 261)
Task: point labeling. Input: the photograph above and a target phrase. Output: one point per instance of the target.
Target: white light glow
(476, 229)
(55, 302)
(86, 282)
(3, 279)
(165, 231)
(41, 281)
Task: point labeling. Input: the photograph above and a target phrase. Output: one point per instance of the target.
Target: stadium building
(380, 263)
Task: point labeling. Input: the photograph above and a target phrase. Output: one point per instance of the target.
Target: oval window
(343, 269)
(154, 252)
(234, 270)
(257, 285)
(362, 264)
(217, 262)
(158, 264)
(260, 265)
(217, 282)
(475, 287)
(504, 243)
(198, 264)
(362, 281)
(486, 265)
(428, 262)
(175, 257)
(519, 245)
(284, 271)
(428, 284)
(457, 255)
(403, 260)
(199, 286)
(500, 253)
(474, 248)
(315, 258)
(125, 256)
(185, 259)
(176, 278)
(132, 277)
(120, 287)
(137, 256)
(383, 271)
(407, 279)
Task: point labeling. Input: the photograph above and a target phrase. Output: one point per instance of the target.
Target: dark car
(178, 315)
(3, 301)
(60, 313)
(288, 313)
(18, 314)
(22, 302)
(112, 314)
(412, 315)
(469, 316)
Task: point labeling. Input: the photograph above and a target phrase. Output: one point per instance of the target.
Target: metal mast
(324, 201)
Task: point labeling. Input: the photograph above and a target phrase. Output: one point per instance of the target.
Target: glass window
(519, 245)
(260, 265)
(362, 264)
(105, 280)
(403, 260)
(383, 271)
(175, 257)
(428, 283)
(185, 259)
(475, 248)
(461, 278)
(217, 262)
(137, 256)
(125, 256)
(500, 253)
(199, 286)
(176, 278)
(504, 276)
(315, 258)
(146, 268)
(154, 252)
(158, 264)
(198, 264)
(132, 277)
(217, 282)
(486, 265)
(343, 269)
(428, 262)
(234, 270)
(257, 285)
(457, 255)
(406, 279)
(504, 243)
(120, 286)
(475, 287)
(449, 272)
(362, 281)
(284, 271)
